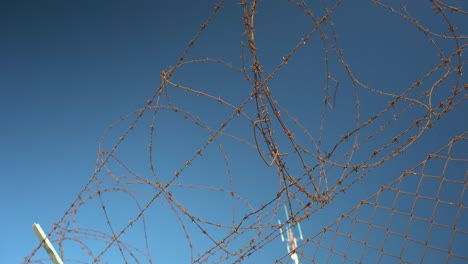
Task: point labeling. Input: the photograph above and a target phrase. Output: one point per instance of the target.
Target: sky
(69, 70)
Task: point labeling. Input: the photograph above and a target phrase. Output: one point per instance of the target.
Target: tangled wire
(247, 134)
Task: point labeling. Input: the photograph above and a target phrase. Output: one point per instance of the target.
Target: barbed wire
(396, 214)
(312, 167)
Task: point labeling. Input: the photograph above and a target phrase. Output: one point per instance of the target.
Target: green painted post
(49, 248)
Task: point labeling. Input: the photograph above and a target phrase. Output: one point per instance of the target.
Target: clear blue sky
(70, 69)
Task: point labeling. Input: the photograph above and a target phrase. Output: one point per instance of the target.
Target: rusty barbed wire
(396, 211)
(311, 167)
